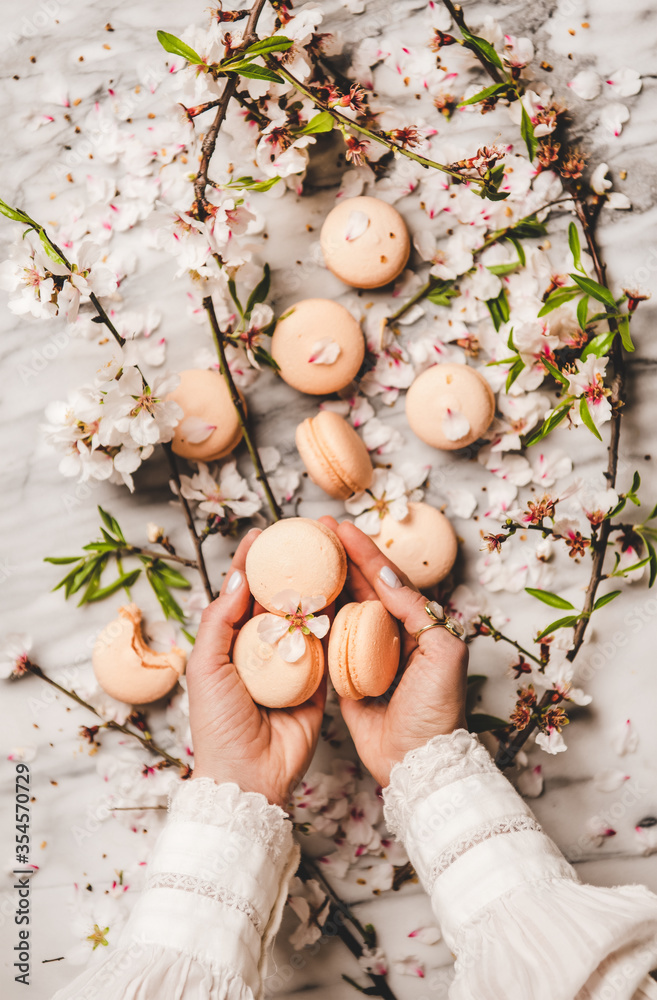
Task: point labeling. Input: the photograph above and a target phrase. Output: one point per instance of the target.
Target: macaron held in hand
(365, 242)
(209, 429)
(272, 680)
(299, 555)
(363, 652)
(334, 455)
(129, 670)
(318, 346)
(450, 406)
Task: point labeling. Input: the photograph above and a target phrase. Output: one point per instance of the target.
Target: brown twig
(224, 367)
(210, 139)
(147, 743)
(136, 550)
(498, 636)
(196, 541)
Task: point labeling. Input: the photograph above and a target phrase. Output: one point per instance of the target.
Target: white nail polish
(389, 578)
(234, 582)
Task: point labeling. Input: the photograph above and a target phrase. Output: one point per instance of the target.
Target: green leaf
(503, 268)
(527, 133)
(84, 574)
(560, 623)
(558, 414)
(484, 94)
(629, 569)
(606, 599)
(172, 577)
(125, 580)
(112, 546)
(482, 46)
(558, 298)
(442, 292)
(478, 722)
(520, 250)
(111, 523)
(600, 345)
(625, 335)
(515, 370)
(70, 576)
(254, 72)
(583, 312)
(49, 248)
(16, 215)
(528, 228)
(595, 290)
(585, 414)
(653, 514)
(575, 246)
(323, 122)
(169, 605)
(559, 376)
(476, 678)
(653, 562)
(233, 294)
(263, 357)
(191, 639)
(499, 309)
(61, 560)
(636, 483)
(93, 581)
(276, 43)
(549, 598)
(177, 48)
(260, 292)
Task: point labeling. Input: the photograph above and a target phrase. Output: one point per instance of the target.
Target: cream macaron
(296, 554)
(334, 455)
(365, 242)
(450, 406)
(423, 545)
(363, 652)
(129, 670)
(209, 429)
(270, 680)
(318, 346)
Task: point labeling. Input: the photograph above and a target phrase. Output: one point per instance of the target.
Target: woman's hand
(262, 750)
(430, 696)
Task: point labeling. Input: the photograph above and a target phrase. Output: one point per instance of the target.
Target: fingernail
(234, 582)
(389, 578)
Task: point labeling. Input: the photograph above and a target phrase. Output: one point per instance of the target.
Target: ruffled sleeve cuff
(510, 906)
(217, 884)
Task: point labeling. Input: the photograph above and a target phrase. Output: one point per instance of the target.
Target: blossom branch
(145, 741)
(261, 476)
(498, 636)
(210, 140)
(375, 136)
(458, 16)
(196, 540)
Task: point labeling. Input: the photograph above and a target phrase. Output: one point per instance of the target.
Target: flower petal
(319, 626)
(287, 601)
(292, 646)
(271, 628)
(357, 223)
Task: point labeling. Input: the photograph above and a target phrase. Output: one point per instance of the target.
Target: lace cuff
(469, 835)
(217, 880)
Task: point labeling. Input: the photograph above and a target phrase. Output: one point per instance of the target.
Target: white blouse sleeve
(217, 884)
(511, 908)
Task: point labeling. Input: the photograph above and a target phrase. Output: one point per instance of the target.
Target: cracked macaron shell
(363, 652)
(334, 455)
(204, 394)
(270, 680)
(129, 670)
(296, 553)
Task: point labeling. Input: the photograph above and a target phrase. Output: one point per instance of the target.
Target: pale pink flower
(288, 630)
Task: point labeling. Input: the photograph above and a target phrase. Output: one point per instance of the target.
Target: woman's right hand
(429, 698)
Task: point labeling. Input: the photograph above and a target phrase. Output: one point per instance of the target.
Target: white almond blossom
(387, 495)
(288, 630)
(588, 382)
(229, 495)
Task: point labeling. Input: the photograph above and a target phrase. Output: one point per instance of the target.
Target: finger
(329, 521)
(362, 717)
(359, 588)
(219, 620)
(394, 589)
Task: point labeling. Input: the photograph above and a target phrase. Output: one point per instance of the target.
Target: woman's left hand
(260, 749)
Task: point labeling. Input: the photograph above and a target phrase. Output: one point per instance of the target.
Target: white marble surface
(37, 519)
